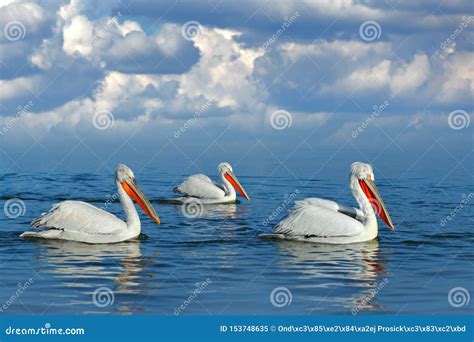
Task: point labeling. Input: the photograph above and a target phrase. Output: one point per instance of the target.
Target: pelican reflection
(86, 267)
(332, 272)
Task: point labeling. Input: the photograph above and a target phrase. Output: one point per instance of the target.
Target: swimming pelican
(206, 191)
(80, 221)
(319, 220)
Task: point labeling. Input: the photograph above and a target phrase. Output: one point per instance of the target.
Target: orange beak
(370, 190)
(229, 175)
(133, 190)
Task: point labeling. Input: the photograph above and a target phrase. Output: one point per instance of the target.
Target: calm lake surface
(216, 264)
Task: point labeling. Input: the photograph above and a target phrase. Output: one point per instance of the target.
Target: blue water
(220, 253)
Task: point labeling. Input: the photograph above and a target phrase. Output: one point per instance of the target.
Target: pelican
(80, 221)
(203, 189)
(320, 220)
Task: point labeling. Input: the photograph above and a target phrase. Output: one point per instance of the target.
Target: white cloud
(409, 76)
(457, 83)
(77, 36)
(152, 75)
(363, 79)
(21, 87)
(30, 15)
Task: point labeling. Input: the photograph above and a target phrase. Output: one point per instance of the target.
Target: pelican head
(364, 175)
(126, 178)
(227, 172)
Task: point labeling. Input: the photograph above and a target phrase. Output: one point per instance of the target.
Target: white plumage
(202, 188)
(315, 218)
(319, 220)
(80, 221)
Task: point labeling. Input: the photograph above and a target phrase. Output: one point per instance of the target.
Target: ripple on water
(413, 268)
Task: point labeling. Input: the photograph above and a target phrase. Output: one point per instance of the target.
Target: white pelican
(319, 220)
(206, 191)
(80, 221)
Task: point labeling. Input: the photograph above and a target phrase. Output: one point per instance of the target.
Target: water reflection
(219, 211)
(85, 267)
(352, 274)
(211, 211)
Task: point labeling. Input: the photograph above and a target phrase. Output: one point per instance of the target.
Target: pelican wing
(331, 205)
(79, 217)
(314, 217)
(200, 186)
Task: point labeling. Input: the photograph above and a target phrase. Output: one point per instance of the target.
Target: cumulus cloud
(77, 59)
(457, 84)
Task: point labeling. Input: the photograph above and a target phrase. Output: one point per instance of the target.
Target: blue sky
(182, 85)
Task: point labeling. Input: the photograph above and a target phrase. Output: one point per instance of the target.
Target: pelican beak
(133, 190)
(230, 176)
(370, 190)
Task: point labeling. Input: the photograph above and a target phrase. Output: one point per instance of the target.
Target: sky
(181, 85)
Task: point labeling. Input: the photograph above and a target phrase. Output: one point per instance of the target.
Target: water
(217, 265)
